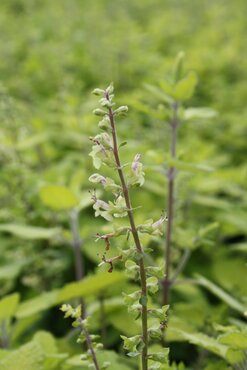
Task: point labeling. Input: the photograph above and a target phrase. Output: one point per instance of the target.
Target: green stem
(135, 234)
(90, 346)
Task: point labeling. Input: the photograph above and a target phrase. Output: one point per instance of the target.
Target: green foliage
(8, 305)
(58, 197)
(52, 55)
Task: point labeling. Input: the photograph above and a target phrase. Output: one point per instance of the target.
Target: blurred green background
(52, 55)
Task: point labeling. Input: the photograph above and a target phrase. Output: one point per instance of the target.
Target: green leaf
(220, 293)
(27, 357)
(10, 271)
(33, 141)
(29, 232)
(58, 197)
(8, 305)
(48, 344)
(202, 340)
(89, 286)
(116, 361)
(37, 304)
(185, 88)
(203, 113)
(191, 167)
(158, 93)
(236, 340)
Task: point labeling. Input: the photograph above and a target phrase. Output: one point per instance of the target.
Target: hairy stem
(170, 206)
(135, 234)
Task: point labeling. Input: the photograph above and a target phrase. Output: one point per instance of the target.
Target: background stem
(170, 206)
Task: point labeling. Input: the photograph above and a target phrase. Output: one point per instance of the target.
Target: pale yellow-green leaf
(29, 232)
(190, 167)
(28, 357)
(48, 344)
(8, 305)
(91, 285)
(58, 197)
(37, 304)
(235, 340)
(201, 113)
(184, 89)
(117, 362)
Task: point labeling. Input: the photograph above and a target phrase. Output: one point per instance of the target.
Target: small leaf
(184, 89)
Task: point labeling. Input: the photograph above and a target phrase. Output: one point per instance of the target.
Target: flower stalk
(136, 238)
(106, 151)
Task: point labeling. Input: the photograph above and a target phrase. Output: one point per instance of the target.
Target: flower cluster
(105, 151)
(89, 359)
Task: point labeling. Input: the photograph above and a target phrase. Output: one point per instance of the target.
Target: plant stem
(135, 234)
(78, 260)
(90, 347)
(170, 206)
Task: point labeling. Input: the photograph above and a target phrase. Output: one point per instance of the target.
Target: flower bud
(99, 112)
(110, 88)
(121, 110)
(98, 92)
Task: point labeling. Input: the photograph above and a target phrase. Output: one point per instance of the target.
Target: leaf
(8, 305)
(191, 167)
(27, 357)
(116, 361)
(11, 271)
(235, 340)
(49, 347)
(37, 304)
(89, 286)
(58, 197)
(29, 232)
(220, 293)
(204, 341)
(33, 141)
(184, 89)
(159, 94)
(85, 200)
(203, 113)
